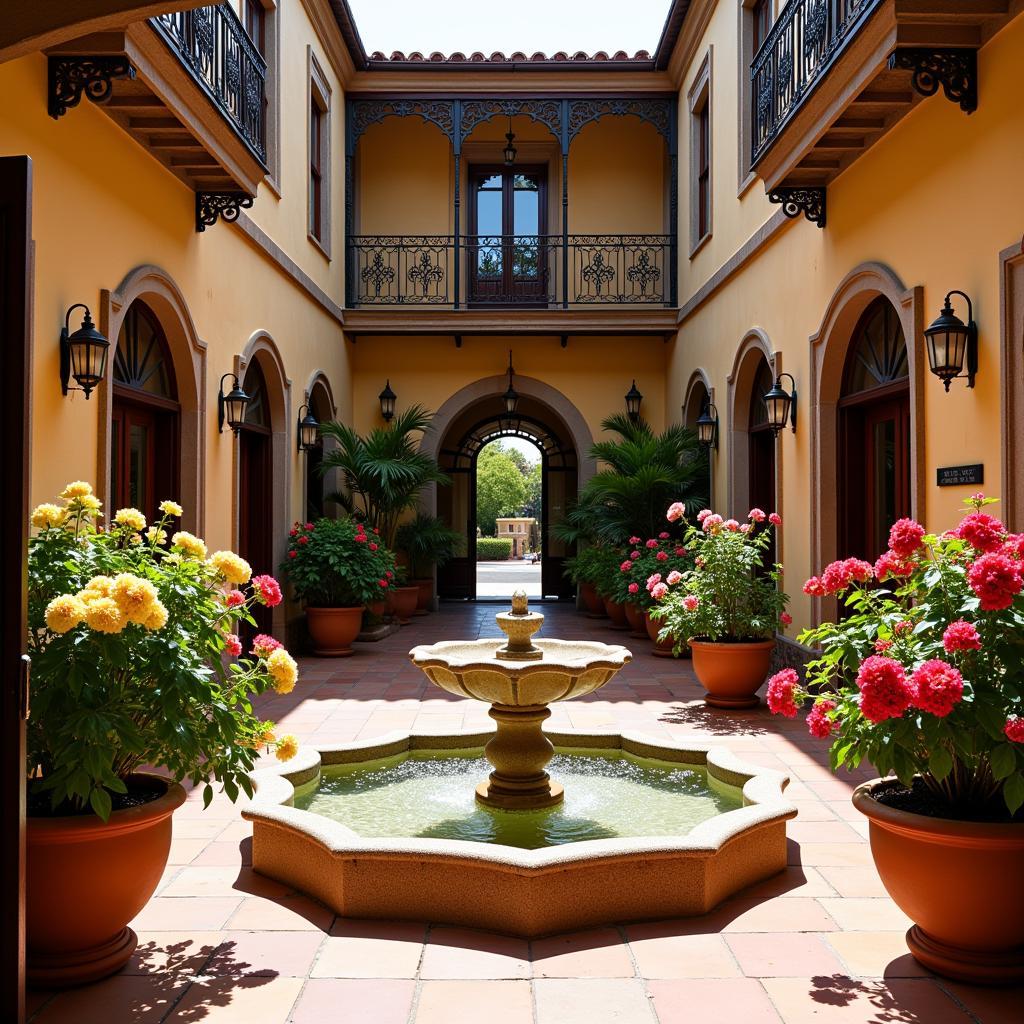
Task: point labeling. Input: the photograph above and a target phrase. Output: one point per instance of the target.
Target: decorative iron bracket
(226, 205)
(808, 201)
(69, 77)
(956, 70)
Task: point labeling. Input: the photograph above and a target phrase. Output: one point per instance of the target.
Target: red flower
(652, 543)
(382, 583)
(634, 555)
(659, 590)
(982, 531)
(884, 692)
(1014, 729)
(373, 547)
(781, 692)
(309, 526)
(293, 554)
(775, 519)
(996, 579)
(626, 566)
(662, 556)
(881, 646)
(819, 725)
(814, 587)
(360, 538)
(634, 540)
(234, 598)
(905, 536)
(731, 525)
(292, 532)
(376, 531)
(889, 564)
(691, 602)
(904, 626)
(663, 535)
(961, 636)
(755, 515)
(937, 686)
(389, 574)
(232, 645)
(303, 540)
(263, 645)
(680, 552)
(1014, 545)
(268, 590)
(838, 576)
(786, 619)
(634, 588)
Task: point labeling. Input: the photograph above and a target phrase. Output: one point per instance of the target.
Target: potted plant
(606, 583)
(336, 568)
(728, 606)
(583, 569)
(427, 543)
(402, 597)
(651, 562)
(135, 662)
(924, 679)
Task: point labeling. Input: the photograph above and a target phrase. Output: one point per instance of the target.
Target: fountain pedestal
(519, 751)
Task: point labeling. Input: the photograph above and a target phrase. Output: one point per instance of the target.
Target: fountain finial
(520, 603)
(519, 625)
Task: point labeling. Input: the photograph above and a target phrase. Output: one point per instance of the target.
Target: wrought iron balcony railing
(212, 43)
(802, 45)
(511, 270)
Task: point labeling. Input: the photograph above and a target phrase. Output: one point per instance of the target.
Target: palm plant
(384, 472)
(642, 474)
(427, 542)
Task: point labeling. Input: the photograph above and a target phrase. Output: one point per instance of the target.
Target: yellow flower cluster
(234, 569)
(45, 516)
(283, 670)
(287, 748)
(108, 605)
(170, 508)
(64, 613)
(137, 598)
(155, 535)
(76, 489)
(104, 615)
(189, 544)
(130, 517)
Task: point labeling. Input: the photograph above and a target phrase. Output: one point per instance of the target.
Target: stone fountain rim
(616, 656)
(762, 788)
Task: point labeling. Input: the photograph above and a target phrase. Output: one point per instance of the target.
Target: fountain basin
(525, 892)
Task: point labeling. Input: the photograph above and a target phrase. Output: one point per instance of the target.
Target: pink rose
(232, 645)
(781, 693)
(651, 544)
(690, 602)
(961, 636)
(634, 588)
(673, 578)
(703, 514)
(234, 598)
(676, 511)
(731, 525)
(662, 556)
(268, 590)
(819, 725)
(658, 591)
(755, 515)
(663, 535)
(775, 519)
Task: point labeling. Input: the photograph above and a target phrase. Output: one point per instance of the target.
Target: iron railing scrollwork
(510, 270)
(213, 44)
(801, 46)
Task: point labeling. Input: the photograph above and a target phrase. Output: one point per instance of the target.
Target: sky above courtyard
(527, 25)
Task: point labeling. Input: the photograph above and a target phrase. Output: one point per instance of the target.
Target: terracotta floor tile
(989, 1005)
(242, 954)
(711, 1001)
(813, 810)
(184, 952)
(203, 880)
(843, 1000)
(821, 832)
(600, 953)
(465, 953)
(660, 952)
(475, 1002)
(590, 1001)
(126, 999)
(783, 955)
(184, 850)
(218, 854)
(353, 1001)
(796, 880)
(866, 914)
(875, 954)
(371, 949)
(289, 913)
(166, 914)
(832, 854)
(247, 1000)
(782, 914)
(854, 881)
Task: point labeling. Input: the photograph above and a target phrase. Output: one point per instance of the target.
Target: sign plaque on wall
(961, 476)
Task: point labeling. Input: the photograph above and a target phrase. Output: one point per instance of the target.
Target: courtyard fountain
(405, 827)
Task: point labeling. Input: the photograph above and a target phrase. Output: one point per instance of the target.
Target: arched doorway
(698, 399)
(873, 433)
(322, 408)
(145, 416)
(761, 450)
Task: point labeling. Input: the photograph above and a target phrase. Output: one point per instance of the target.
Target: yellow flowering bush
(136, 658)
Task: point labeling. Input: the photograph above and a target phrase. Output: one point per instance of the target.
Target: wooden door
(456, 506)
(558, 494)
(255, 496)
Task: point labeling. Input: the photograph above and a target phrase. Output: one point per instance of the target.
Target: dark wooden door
(255, 497)
(762, 477)
(558, 494)
(15, 306)
(143, 456)
(456, 506)
(508, 257)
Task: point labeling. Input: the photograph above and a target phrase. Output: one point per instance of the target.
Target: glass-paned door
(508, 252)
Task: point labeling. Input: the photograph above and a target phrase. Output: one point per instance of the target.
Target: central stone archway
(470, 419)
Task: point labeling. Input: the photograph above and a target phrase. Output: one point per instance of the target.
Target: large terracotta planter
(959, 881)
(332, 630)
(662, 648)
(635, 618)
(731, 673)
(378, 608)
(425, 594)
(617, 613)
(402, 602)
(86, 880)
(592, 601)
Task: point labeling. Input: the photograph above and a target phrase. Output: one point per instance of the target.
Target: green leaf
(940, 764)
(99, 800)
(1013, 792)
(1003, 760)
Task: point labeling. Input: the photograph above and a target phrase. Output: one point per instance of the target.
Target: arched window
(874, 433)
(145, 428)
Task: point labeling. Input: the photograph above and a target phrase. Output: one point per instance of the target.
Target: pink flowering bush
(925, 677)
(664, 557)
(729, 595)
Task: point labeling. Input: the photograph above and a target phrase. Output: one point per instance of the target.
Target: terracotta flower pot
(402, 602)
(731, 673)
(662, 648)
(617, 613)
(425, 595)
(592, 601)
(635, 618)
(959, 881)
(86, 880)
(378, 608)
(332, 630)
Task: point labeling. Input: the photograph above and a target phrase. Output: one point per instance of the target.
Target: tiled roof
(398, 57)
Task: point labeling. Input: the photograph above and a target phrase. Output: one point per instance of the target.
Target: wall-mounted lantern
(387, 400)
(633, 400)
(511, 396)
(707, 425)
(308, 432)
(951, 343)
(509, 151)
(231, 407)
(83, 355)
(781, 405)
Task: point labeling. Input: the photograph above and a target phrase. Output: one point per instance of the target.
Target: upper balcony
(445, 231)
(189, 87)
(833, 76)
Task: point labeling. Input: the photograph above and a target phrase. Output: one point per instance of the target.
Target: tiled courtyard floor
(820, 943)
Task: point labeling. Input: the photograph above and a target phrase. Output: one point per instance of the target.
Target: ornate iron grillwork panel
(657, 112)
(212, 43)
(803, 43)
(956, 70)
(401, 269)
(364, 113)
(71, 77)
(475, 112)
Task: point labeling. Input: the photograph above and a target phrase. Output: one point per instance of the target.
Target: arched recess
(829, 348)
(276, 416)
(161, 294)
(698, 396)
(320, 399)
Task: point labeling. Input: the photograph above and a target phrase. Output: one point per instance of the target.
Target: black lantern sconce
(781, 405)
(510, 150)
(387, 400)
(308, 433)
(511, 396)
(83, 355)
(951, 343)
(231, 407)
(707, 425)
(633, 400)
